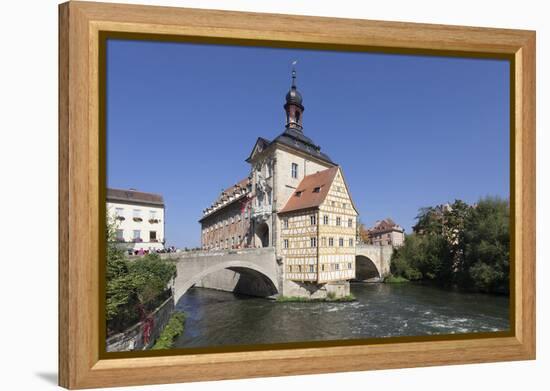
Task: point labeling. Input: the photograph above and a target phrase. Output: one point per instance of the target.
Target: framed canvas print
(246, 195)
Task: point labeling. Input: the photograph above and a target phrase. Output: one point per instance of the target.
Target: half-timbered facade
(318, 232)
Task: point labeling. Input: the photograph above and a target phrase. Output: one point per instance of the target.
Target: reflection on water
(216, 318)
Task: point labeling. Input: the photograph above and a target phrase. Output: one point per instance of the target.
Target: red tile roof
(308, 197)
(385, 225)
(134, 197)
(233, 189)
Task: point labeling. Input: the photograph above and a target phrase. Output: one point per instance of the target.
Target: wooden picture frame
(81, 24)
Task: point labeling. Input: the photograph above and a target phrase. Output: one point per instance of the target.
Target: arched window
(297, 117)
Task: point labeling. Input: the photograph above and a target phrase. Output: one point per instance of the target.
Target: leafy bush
(395, 280)
(133, 287)
(171, 331)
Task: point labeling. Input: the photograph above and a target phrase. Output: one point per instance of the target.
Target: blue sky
(408, 131)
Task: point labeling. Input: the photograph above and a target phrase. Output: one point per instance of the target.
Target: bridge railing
(214, 253)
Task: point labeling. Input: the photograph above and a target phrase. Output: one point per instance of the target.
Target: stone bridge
(256, 271)
(372, 261)
(248, 271)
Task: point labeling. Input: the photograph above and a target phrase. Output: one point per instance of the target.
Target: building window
(119, 235)
(119, 212)
(338, 221)
(349, 265)
(331, 242)
(350, 223)
(232, 241)
(313, 242)
(290, 268)
(299, 268)
(286, 243)
(294, 171)
(137, 215)
(285, 223)
(337, 266)
(137, 234)
(351, 242)
(152, 214)
(240, 240)
(325, 219)
(152, 236)
(341, 242)
(323, 268)
(313, 219)
(311, 268)
(323, 241)
(298, 193)
(317, 189)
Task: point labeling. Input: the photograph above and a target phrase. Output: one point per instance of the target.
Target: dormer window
(298, 193)
(317, 189)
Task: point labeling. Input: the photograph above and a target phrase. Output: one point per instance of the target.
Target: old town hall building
(295, 200)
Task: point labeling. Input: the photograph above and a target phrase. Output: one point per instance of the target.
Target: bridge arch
(365, 268)
(252, 277)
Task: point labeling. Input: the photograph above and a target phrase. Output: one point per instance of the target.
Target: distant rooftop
(386, 225)
(133, 196)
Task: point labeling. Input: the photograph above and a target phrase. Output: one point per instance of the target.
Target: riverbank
(395, 280)
(174, 328)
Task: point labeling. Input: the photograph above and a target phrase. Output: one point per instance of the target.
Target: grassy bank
(395, 280)
(171, 331)
(329, 299)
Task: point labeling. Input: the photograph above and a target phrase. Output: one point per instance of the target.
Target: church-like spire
(293, 106)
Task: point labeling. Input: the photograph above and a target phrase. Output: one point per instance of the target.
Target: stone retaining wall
(142, 335)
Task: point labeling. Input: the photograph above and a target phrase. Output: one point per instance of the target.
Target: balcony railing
(261, 210)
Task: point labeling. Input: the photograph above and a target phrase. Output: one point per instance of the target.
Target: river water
(216, 318)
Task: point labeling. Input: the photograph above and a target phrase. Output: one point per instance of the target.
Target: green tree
(404, 259)
(462, 245)
(486, 243)
(151, 276)
(132, 286)
(429, 220)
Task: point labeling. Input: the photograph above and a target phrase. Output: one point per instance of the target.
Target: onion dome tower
(293, 106)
